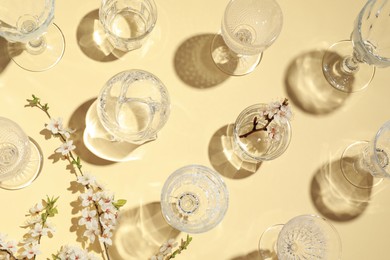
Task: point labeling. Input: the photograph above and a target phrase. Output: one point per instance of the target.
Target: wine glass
(349, 66)
(194, 199)
(20, 157)
(248, 28)
(302, 237)
(269, 142)
(35, 43)
(365, 164)
(127, 23)
(132, 107)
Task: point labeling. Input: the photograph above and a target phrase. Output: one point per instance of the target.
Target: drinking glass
(132, 107)
(258, 146)
(302, 237)
(20, 157)
(248, 28)
(194, 199)
(127, 23)
(35, 43)
(349, 66)
(366, 164)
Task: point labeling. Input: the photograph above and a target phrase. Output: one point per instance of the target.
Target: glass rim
(260, 158)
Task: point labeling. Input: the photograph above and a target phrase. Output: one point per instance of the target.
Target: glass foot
(268, 243)
(351, 169)
(230, 62)
(339, 79)
(30, 173)
(43, 58)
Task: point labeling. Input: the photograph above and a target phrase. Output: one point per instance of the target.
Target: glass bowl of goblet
(194, 199)
(366, 164)
(128, 23)
(248, 28)
(20, 157)
(132, 107)
(35, 42)
(350, 65)
(302, 237)
(256, 139)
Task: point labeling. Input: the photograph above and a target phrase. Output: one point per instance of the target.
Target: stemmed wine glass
(302, 237)
(365, 164)
(20, 157)
(349, 66)
(248, 28)
(194, 199)
(35, 43)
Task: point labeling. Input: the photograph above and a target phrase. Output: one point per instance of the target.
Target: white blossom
(30, 250)
(91, 232)
(37, 208)
(87, 179)
(273, 133)
(39, 230)
(87, 198)
(166, 248)
(11, 246)
(106, 237)
(157, 257)
(283, 114)
(66, 147)
(88, 218)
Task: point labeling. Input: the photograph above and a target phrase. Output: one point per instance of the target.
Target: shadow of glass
(4, 55)
(140, 232)
(77, 122)
(335, 197)
(223, 158)
(250, 256)
(93, 41)
(194, 64)
(308, 88)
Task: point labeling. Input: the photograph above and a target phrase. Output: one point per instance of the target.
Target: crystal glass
(258, 147)
(20, 157)
(194, 199)
(35, 43)
(128, 23)
(248, 28)
(302, 237)
(366, 164)
(349, 66)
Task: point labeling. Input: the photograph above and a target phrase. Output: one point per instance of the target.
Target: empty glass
(127, 23)
(349, 66)
(302, 237)
(194, 199)
(35, 43)
(268, 142)
(20, 157)
(366, 164)
(248, 28)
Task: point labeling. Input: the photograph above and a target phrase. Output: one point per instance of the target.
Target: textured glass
(308, 237)
(194, 199)
(371, 33)
(251, 26)
(128, 22)
(133, 106)
(14, 149)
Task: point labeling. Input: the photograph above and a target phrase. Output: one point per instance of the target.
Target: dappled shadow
(307, 87)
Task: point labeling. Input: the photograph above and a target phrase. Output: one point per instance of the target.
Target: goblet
(349, 66)
(127, 23)
(248, 28)
(256, 138)
(194, 199)
(20, 157)
(366, 164)
(302, 237)
(35, 43)
(132, 107)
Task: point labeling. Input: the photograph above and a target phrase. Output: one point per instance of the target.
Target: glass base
(230, 62)
(337, 77)
(39, 59)
(268, 243)
(351, 169)
(30, 173)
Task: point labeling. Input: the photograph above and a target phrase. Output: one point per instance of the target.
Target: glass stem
(36, 46)
(350, 64)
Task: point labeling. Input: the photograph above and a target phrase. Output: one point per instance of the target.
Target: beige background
(203, 105)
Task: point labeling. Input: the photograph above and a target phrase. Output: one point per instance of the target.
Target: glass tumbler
(128, 23)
